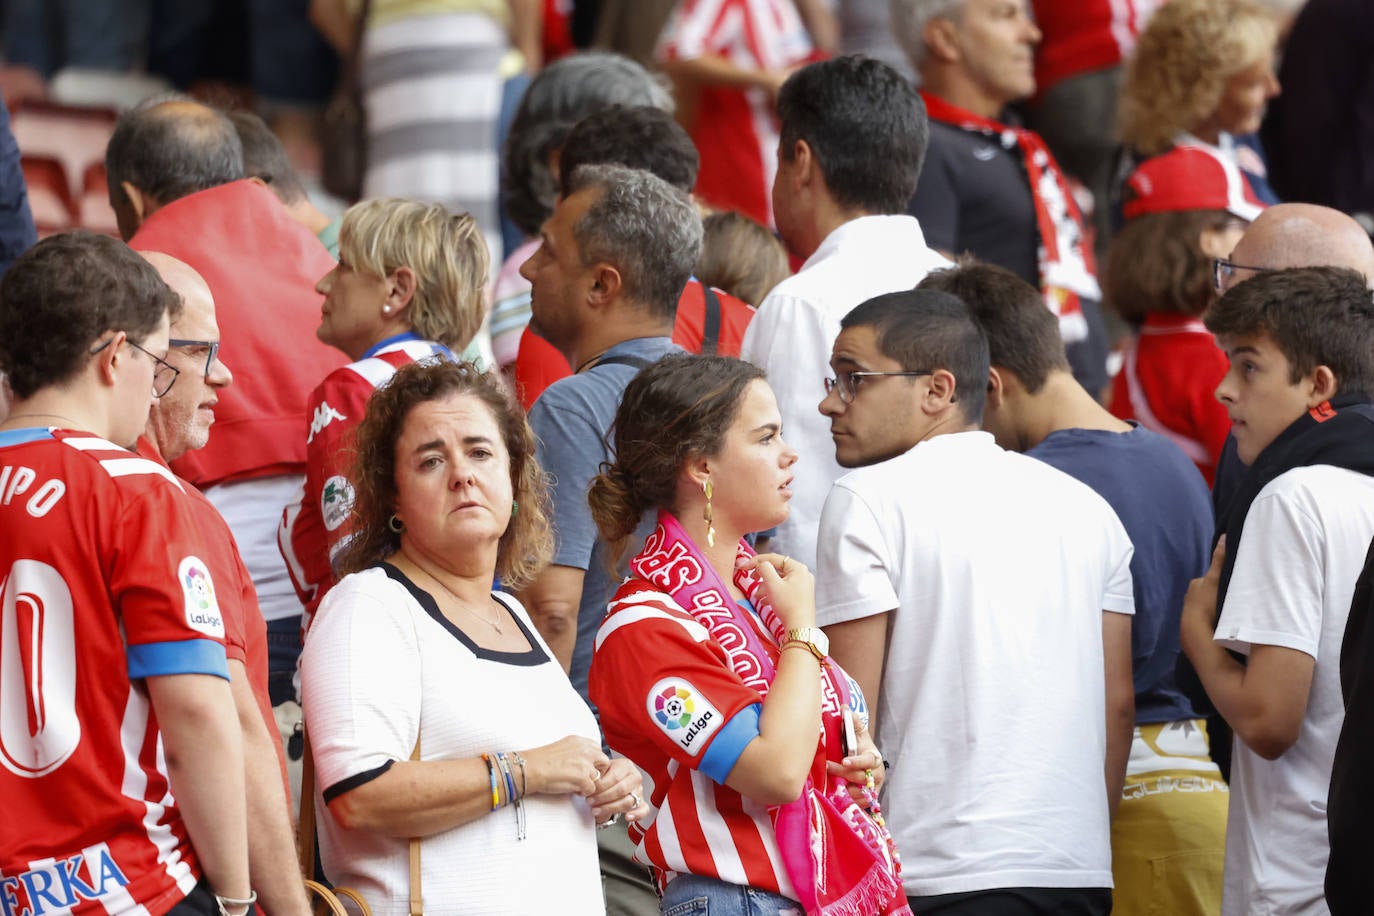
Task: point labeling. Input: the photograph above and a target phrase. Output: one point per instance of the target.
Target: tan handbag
(326, 900)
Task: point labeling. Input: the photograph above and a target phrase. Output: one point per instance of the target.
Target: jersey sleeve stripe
(129, 467)
(720, 757)
(644, 612)
(190, 656)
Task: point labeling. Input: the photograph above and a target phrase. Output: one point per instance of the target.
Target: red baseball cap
(1189, 178)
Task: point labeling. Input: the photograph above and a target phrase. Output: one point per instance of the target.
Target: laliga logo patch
(336, 501)
(683, 713)
(202, 610)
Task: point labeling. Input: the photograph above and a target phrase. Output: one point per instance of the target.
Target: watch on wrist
(815, 641)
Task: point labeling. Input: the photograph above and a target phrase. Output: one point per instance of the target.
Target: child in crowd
(741, 257)
(1182, 209)
(1301, 348)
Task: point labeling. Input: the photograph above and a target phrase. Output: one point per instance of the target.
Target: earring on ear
(706, 514)
(386, 310)
(514, 508)
(395, 524)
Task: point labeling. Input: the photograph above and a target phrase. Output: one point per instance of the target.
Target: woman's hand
(855, 768)
(570, 766)
(790, 588)
(620, 790)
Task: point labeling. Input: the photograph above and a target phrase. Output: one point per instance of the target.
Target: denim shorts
(694, 895)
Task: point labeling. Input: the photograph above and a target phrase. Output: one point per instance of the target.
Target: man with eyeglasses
(123, 771)
(178, 423)
(973, 593)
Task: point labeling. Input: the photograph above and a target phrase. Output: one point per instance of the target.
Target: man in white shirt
(853, 140)
(1296, 533)
(982, 599)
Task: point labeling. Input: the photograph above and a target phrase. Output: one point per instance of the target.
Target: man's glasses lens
(209, 347)
(164, 373)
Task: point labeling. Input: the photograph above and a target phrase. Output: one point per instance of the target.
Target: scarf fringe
(871, 894)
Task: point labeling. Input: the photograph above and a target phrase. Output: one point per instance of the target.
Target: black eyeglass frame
(211, 345)
(848, 384)
(160, 365)
(1222, 268)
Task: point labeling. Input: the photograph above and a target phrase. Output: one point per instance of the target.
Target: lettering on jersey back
(16, 481)
(58, 886)
(39, 727)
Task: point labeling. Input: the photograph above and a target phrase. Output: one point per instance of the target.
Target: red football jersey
(105, 582)
(316, 526)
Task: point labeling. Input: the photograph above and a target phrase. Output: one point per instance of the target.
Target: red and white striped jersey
(315, 527)
(667, 697)
(105, 582)
(1082, 36)
(735, 130)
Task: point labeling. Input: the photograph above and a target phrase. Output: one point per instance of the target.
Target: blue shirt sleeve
(17, 232)
(569, 449)
(720, 758)
(190, 656)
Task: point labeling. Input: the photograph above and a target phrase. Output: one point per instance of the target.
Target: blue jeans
(283, 650)
(694, 895)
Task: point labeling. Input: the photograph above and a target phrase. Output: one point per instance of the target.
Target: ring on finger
(636, 799)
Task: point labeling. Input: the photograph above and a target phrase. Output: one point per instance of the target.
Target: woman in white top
(412, 653)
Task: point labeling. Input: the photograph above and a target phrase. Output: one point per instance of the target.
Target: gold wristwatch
(815, 641)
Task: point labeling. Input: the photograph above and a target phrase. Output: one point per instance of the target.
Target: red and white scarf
(840, 862)
(1065, 255)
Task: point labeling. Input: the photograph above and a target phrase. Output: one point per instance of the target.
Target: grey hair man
(606, 280)
(990, 188)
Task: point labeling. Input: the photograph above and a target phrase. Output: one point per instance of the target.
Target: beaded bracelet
(491, 774)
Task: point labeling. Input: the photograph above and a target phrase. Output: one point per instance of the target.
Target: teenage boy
(1174, 801)
(1301, 348)
(981, 599)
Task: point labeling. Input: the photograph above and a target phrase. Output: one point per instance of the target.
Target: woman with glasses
(407, 287)
(1185, 211)
(709, 671)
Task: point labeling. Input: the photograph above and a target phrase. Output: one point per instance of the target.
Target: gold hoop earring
(706, 514)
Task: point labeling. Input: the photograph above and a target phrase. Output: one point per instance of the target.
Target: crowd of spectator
(749, 456)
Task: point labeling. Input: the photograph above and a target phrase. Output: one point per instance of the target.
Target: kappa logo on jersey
(58, 886)
(202, 610)
(683, 713)
(336, 500)
(324, 415)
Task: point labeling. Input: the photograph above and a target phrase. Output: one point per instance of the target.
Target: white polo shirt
(992, 707)
(791, 336)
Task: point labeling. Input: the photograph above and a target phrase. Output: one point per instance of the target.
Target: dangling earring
(514, 508)
(706, 514)
(395, 524)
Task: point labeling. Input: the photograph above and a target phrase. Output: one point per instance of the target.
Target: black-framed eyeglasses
(1223, 271)
(164, 373)
(211, 348)
(847, 383)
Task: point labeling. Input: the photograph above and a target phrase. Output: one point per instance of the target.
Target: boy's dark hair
(1023, 336)
(925, 329)
(865, 125)
(643, 137)
(58, 297)
(1316, 316)
(264, 157)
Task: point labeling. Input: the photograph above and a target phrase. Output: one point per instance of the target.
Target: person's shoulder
(108, 466)
(641, 609)
(1322, 489)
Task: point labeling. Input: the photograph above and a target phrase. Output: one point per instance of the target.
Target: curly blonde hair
(1185, 57)
(445, 250)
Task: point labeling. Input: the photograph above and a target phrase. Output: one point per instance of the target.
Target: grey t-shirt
(572, 421)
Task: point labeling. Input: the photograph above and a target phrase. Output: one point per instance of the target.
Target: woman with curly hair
(1202, 75)
(435, 710)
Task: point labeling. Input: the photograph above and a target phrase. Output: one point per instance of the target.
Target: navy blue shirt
(1163, 503)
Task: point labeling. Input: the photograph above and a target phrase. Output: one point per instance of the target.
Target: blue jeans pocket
(697, 906)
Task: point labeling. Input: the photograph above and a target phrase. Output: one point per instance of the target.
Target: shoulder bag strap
(710, 334)
(305, 831)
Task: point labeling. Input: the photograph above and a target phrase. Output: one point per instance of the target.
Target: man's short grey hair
(168, 153)
(643, 226)
(909, 21)
(562, 94)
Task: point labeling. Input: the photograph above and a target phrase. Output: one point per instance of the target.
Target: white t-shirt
(253, 510)
(992, 708)
(380, 667)
(791, 336)
(1303, 547)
